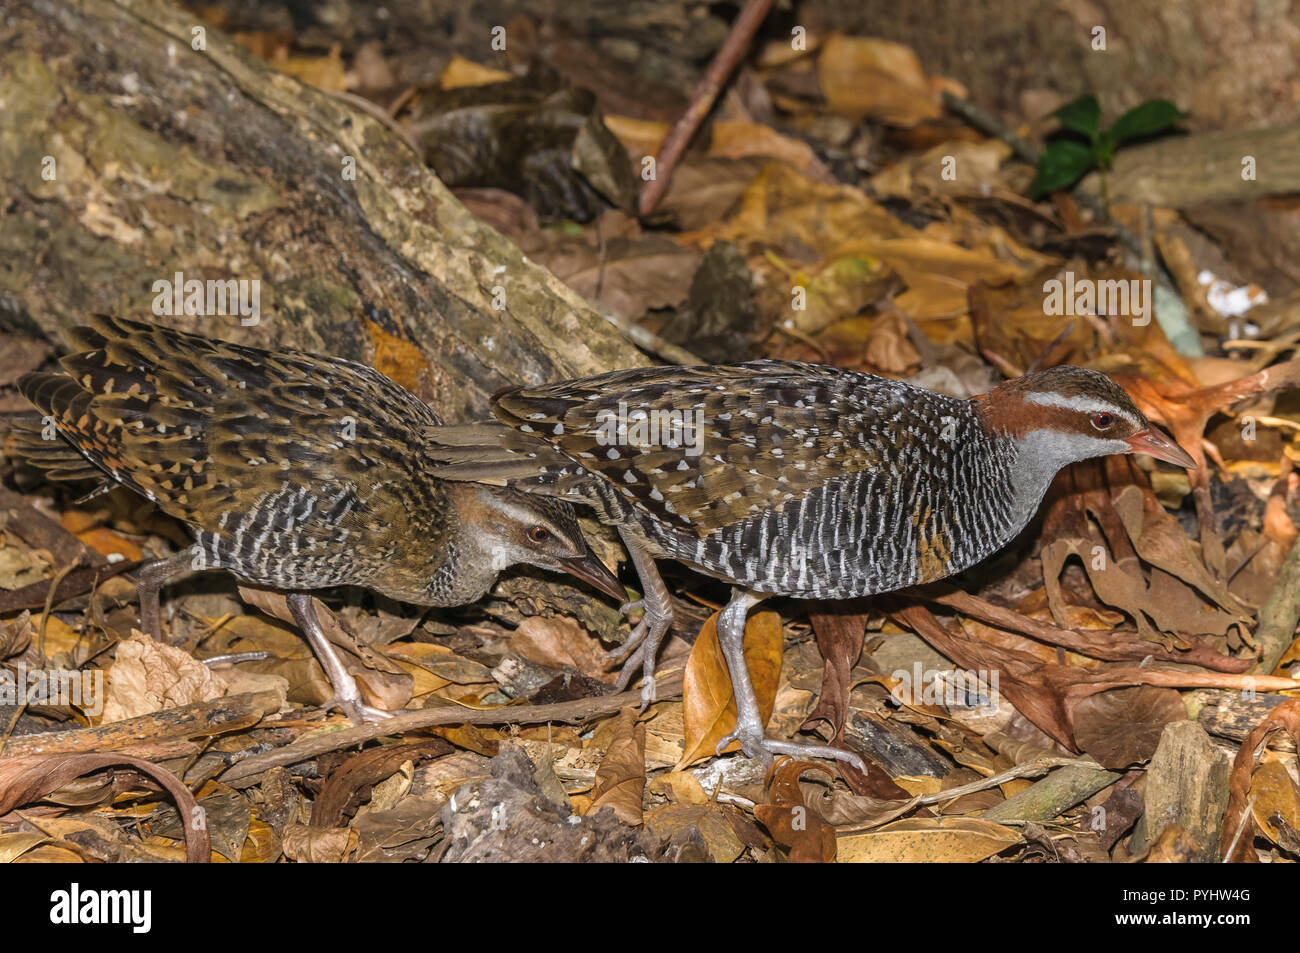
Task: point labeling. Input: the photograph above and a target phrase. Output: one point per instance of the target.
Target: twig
(49, 606)
(1026, 770)
(646, 339)
(702, 99)
(381, 116)
(574, 711)
(990, 126)
(77, 583)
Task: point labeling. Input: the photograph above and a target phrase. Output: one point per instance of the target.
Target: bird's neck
(454, 572)
(465, 574)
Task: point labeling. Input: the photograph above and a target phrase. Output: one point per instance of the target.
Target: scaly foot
(765, 749)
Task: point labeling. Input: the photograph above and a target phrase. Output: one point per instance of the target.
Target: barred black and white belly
(293, 537)
(870, 532)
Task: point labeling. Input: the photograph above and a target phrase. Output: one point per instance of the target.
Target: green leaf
(1062, 163)
(1103, 150)
(1152, 117)
(1082, 115)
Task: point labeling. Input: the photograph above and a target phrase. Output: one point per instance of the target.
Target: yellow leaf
(462, 72)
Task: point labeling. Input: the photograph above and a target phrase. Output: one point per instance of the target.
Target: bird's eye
(539, 534)
(1103, 420)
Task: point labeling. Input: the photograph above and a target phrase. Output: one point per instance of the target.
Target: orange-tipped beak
(1154, 442)
(590, 569)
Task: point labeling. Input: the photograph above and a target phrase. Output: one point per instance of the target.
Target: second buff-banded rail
(796, 480)
(294, 471)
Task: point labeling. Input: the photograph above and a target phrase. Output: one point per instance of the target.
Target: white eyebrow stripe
(1081, 403)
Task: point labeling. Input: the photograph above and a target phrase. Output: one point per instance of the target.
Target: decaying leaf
(620, 779)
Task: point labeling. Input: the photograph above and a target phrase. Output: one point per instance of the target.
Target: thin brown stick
(702, 99)
(574, 711)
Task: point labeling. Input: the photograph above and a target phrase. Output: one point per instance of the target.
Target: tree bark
(127, 155)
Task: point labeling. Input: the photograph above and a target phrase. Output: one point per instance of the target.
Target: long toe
(802, 749)
(764, 749)
(634, 664)
(358, 712)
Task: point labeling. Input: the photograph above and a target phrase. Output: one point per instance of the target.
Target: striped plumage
(801, 480)
(811, 482)
(294, 471)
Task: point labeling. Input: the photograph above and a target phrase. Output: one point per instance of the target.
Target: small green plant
(1065, 159)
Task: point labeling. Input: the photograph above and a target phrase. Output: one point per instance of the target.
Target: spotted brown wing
(711, 446)
(207, 429)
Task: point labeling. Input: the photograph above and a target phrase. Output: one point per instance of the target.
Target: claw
(647, 693)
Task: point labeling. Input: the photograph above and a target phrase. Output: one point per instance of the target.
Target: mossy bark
(127, 155)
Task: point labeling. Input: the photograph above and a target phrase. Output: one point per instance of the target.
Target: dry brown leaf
(888, 347)
(28, 778)
(956, 840)
(709, 819)
(681, 787)
(802, 832)
(709, 709)
(263, 845)
(1123, 726)
(442, 662)
(323, 72)
(108, 543)
(1236, 844)
(13, 846)
(735, 139)
(383, 682)
(782, 209)
(839, 639)
(15, 635)
(950, 167)
(560, 642)
(1160, 541)
(319, 845)
(839, 289)
(864, 76)
(629, 274)
(148, 676)
(620, 779)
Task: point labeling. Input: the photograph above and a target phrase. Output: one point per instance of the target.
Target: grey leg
(643, 644)
(750, 729)
(346, 694)
(149, 581)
